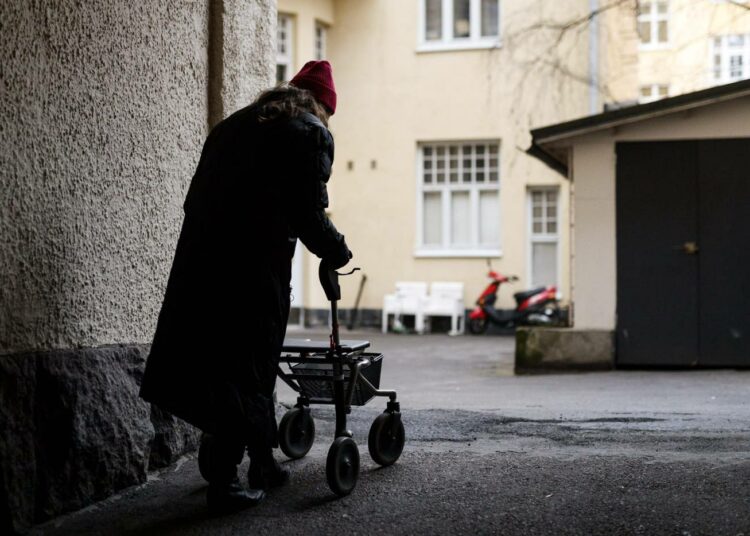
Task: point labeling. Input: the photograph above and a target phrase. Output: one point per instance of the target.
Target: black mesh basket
(323, 389)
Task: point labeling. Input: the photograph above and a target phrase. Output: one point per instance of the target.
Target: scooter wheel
(477, 326)
(296, 432)
(386, 439)
(342, 466)
(205, 455)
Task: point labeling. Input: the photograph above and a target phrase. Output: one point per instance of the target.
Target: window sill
(654, 47)
(457, 253)
(458, 45)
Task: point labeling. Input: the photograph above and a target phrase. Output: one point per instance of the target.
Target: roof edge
(537, 151)
(631, 114)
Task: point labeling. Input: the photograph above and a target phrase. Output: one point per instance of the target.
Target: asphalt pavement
(488, 452)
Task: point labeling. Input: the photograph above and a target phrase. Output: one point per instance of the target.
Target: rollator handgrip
(329, 280)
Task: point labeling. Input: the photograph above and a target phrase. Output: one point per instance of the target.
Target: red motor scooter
(538, 306)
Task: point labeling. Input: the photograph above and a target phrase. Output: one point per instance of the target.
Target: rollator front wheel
(205, 456)
(478, 325)
(386, 439)
(342, 466)
(296, 432)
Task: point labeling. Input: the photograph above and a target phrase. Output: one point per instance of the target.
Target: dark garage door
(683, 253)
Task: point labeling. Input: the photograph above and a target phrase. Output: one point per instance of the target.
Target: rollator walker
(340, 373)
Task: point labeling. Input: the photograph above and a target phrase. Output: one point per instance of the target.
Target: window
(283, 48)
(452, 24)
(321, 40)
(544, 233)
(459, 199)
(653, 20)
(653, 92)
(731, 58)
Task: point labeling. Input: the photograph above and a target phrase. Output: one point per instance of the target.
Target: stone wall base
(543, 349)
(373, 318)
(75, 430)
(365, 318)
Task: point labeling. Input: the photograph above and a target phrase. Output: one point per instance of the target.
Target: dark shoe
(232, 497)
(267, 475)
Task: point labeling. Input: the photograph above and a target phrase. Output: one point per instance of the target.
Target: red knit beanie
(317, 77)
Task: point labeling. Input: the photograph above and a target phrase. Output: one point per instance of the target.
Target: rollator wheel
(342, 466)
(386, 439)
(478, 325)
(204, 456)
(296, 432)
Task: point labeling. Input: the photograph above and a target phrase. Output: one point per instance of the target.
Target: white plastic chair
(446, 299)
(408, 299)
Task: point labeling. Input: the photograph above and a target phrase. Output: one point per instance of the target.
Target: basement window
(653, 92)
(321, 41)
(731, 58)
(653, 23)
(284, 29)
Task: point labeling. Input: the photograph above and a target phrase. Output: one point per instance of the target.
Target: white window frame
(285, 58)
(654, 17)
(542, 238)
(447, 41)
(446, 249)
(654, 93)
(320, 45)
(725, 50)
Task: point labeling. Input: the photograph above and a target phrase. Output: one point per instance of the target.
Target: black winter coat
(258, 186)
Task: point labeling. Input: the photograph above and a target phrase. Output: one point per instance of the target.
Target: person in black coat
(260, 184)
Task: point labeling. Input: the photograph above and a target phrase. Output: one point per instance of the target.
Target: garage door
(683, 253)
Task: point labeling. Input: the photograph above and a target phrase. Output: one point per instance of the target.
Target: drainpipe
(594, 57)
(215, 62)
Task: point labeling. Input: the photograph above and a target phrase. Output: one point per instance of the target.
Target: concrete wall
(104, 116)
(104, 110)
(593, 164)
(618, 52)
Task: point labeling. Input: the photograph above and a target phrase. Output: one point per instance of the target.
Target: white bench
(411, 298)
(446, 299)
(407, 300)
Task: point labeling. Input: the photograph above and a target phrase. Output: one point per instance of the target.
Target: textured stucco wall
(249, 64)
(103, 116)
(104, 110)
(104, 107)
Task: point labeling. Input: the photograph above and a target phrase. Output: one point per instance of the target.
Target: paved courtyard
(623, 452)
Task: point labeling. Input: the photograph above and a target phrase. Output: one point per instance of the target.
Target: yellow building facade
(435, 102)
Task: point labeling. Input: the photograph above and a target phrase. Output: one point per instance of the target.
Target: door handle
(689, 248)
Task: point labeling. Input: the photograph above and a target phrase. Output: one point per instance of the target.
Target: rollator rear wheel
(204, 456)
(342, 466)
(296, 432)
(386, 439)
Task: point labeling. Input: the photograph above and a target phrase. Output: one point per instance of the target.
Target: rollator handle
(329, 280)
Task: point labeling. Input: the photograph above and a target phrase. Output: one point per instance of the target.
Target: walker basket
(323, 388)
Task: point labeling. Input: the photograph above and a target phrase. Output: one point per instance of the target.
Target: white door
(544, 223)
(297, 312)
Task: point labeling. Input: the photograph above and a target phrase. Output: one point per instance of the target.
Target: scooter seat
(525, 295)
